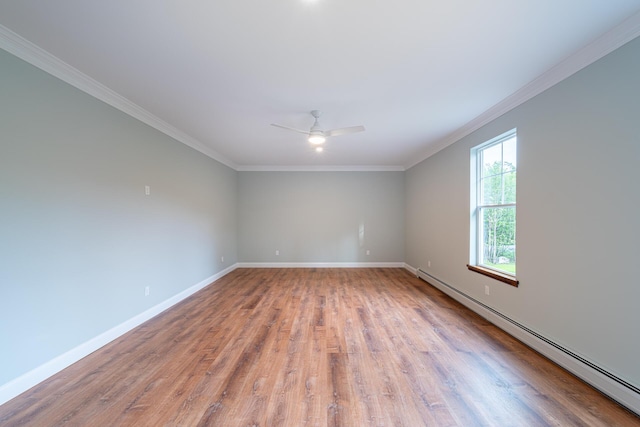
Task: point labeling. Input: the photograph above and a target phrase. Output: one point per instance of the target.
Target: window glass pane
(509, 155)
(509, 180)
(492, 160)
(491, 189)
(498, 247)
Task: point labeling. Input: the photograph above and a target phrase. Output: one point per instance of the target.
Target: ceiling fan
(317, 136)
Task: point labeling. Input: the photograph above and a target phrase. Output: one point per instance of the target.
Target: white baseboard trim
(321, 264)
(410, 269)
(607, 385)
(24, 382)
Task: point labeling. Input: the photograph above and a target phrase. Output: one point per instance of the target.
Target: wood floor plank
(315, 347)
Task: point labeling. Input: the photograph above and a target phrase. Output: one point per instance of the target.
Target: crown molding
(607, 43)
(40, 58)
(320, 168)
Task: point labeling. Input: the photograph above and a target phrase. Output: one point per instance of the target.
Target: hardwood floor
(315, 347)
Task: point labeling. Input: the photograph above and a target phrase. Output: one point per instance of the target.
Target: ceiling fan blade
(288, 128)
(343, 131)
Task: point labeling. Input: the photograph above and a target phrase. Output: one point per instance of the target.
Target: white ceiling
(215, 74)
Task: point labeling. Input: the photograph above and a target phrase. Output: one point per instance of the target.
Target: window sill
(510, 280)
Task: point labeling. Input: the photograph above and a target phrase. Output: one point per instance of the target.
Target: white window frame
(476, 235)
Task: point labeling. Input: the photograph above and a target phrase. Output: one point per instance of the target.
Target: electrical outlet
(147, 291)
(487, 291)
(429, 263)
(277, 252)
(147, 190)
(221, 259)
(368, 252)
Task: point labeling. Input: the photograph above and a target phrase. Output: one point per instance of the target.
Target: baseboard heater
(631, 402)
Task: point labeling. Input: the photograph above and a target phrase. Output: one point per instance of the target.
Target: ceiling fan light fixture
(316, 135)
(317, 139)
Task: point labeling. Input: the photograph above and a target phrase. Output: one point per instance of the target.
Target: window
(493, 208)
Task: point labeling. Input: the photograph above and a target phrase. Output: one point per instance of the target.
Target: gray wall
(578, 200)
(317, 216)
(79, 240)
